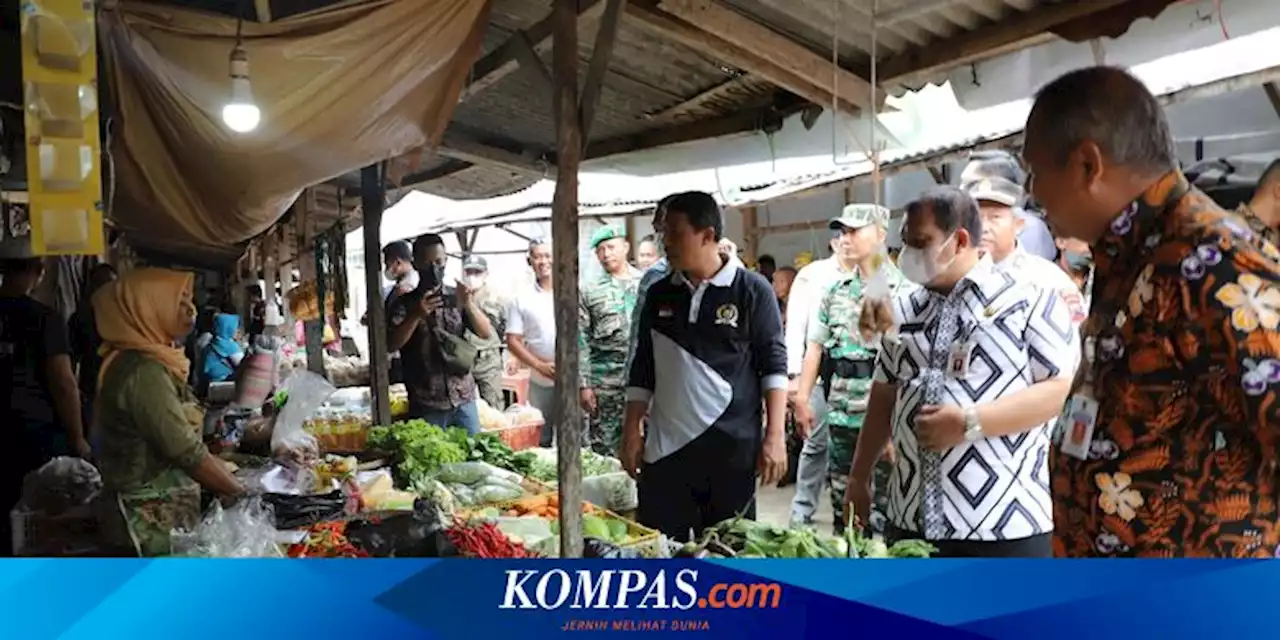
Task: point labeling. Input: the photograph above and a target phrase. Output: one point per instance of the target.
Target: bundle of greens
(593, 464)
(487, 447)
(422, 448)
(742, 538)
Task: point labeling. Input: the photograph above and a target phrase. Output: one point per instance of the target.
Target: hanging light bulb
(241, 115)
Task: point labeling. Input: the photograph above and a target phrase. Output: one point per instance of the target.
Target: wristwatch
(972, 428)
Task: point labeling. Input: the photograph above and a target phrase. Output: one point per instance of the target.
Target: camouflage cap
(997, 190)
(606, 233)
(857, 216)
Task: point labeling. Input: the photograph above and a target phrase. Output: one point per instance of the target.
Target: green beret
(604, 234)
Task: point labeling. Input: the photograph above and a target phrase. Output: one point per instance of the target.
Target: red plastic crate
(521, 436)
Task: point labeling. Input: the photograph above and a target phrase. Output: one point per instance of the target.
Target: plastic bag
(613, 491)
(463, 472)
(245, 530)
(63, 483)
(876, 318)
(292, 512)
(531, 531)
(490, 493)
(420, 534)
(307, 392)
(518, 414)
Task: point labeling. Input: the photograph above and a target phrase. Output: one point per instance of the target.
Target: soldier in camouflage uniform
(604, 341)
(488, 368)
(835, 335)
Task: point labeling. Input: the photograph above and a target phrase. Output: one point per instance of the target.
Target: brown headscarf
(139, 312)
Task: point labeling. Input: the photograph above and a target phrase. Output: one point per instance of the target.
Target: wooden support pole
(372, 198)
(270, 267)
(313, 329)
(285, 268)
(564, 243)
(601, 54)
(750, 235)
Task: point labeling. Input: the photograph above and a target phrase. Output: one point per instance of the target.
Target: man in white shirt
(531, 336)
(812, 283)
(997, 199)
(968, 391)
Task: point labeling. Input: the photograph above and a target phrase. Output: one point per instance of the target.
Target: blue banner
(774, 599)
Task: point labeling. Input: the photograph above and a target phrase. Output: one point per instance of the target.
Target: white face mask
(921, 265)
(473, 282)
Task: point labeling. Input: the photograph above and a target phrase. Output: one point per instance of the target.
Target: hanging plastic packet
(876, 320)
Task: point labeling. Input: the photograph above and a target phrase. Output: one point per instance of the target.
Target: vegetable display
(473, 483)
(593, 464)
(423, 447)
(326, 540)
(543, 506)
(742, 538)
(483, 539)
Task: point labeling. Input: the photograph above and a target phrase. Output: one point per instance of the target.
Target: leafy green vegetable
(911, 549)
(595, 527)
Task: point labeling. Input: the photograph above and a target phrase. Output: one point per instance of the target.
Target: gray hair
(1110, 107)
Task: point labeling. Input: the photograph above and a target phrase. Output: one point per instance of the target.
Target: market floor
(773, 505)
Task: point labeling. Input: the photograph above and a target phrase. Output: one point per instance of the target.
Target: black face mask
(431, 278)
(1078, 261)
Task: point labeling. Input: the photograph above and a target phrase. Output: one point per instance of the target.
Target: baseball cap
(857, 216)
(475, 263)
(994, 189)
(604, 234)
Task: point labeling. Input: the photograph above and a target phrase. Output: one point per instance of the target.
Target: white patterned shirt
(1017, 333)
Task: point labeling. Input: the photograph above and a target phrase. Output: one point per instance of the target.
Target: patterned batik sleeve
(1235, 293)
(1053, 338)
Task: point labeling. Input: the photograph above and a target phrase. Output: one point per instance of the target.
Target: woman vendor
(153, 461)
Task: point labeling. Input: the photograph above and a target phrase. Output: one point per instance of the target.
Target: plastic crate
(521, 436)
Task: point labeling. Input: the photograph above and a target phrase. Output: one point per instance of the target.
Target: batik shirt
(1184, 331)
(604, 322)
(1016, 334)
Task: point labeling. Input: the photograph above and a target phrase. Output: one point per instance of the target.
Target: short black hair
(398, 250)
(952, 209)
(20, 266)
(1270, 174)
(650, 239)
(1109, 106)
(427, 240)
(700, 208)
(254, 290)
(767, 259)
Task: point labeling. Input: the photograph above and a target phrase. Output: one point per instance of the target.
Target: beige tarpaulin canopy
(339, 89)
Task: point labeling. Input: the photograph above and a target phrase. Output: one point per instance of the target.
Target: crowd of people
(1100, 381)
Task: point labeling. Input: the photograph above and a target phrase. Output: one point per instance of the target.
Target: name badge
(958, 360)
(1082, 418)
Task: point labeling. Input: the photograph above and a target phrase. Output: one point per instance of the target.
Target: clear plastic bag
(244, 530)
(307, 392)
(63, 483)
(876, 319)
(613, 491)
(532, 531)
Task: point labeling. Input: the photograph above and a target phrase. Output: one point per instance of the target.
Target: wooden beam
(730, 26)
(444, 170)
(1012, 33)
(528, 57)
(564, 242)
(463, 146)
(723, 98)
(745, 57)
(373, 195)
(1273, 95)
(750, 235)
(601, 55)
(504, 60)
(744, 122)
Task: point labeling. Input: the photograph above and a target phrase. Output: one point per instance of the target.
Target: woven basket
(521, 436)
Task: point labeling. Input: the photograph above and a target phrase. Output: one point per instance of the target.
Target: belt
(854, 369)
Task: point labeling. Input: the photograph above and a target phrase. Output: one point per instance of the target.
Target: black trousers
(710, 480)
(1037, 546)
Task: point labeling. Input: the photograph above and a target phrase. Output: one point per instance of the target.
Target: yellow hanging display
(60, 93)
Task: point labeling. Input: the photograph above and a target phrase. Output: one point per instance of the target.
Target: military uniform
(851, 364)
(603, 345)
(488, 368)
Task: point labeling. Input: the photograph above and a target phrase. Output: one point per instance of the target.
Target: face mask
(473, 282)
(921, 265)
(1078, 261)
(389, 274)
